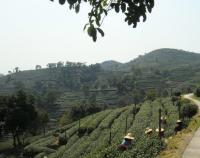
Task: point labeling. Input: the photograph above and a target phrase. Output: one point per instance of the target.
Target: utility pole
(126, 125)
(79, 123)
(159, 125)
(179, 109)
(110, 136)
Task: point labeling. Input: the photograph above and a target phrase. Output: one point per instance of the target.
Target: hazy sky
(39, 31)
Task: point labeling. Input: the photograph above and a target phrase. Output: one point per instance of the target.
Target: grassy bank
(177, 144)
(195, 97)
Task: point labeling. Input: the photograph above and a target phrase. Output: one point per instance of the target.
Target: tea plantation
(98, 135)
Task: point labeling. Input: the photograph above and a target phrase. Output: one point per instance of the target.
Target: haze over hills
(110, 65)
(110, 82)
(162, 58)
(170, 66)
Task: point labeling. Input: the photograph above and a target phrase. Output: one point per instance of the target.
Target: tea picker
(127, 142)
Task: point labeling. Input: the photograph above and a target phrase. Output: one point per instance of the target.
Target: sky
(40, 31)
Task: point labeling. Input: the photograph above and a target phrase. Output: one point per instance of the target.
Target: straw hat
(162, 130)
(148, 130)
(163, 118)
(178, 121)
(129, 136)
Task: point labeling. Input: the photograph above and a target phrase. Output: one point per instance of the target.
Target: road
(193, 149)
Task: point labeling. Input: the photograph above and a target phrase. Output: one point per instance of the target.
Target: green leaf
(85, 26)
(117, 8)
(112, 5)
(94, 34)
(123, 7)
(97, 22)
(71, 2)
(105, 12)
(89, 31)
(144, 17)
(129, 22)
(77, 8)
(62, 2)
(105, 3)
(100, 31)
(134, 24)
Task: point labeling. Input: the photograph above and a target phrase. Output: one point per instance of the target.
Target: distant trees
(16, 69)
(165, 93)
(151, 95)
(50, 96)
(18, 85)
(43, 120)
(60, 64)
(37, 67)
(51, 65)
(177, 93)
(125, 99)
(126, 84)
(174, 99)
(3, 111)
(1, 75)
(189, 110)
(86, 90)
(78, 111)
(92, 100)
(197, 92)
(39, 86)
(136, 97)
(19, 115)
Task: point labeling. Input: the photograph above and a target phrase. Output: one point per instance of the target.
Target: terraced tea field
(92, 138)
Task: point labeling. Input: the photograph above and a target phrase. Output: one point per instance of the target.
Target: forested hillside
(76, 110)
(61, 85)
(98, 135)
(164, 59)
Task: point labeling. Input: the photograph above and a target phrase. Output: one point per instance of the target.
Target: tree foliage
(189, 110)
(20, 115)
(197, 92)
(133, 10)
(151, 95)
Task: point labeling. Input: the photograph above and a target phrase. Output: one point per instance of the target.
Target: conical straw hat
(162, 130)
(129, 136)
(148, 130)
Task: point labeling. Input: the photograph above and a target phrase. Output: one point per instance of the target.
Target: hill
(59, 87)
(164, 59)
(158, 60)
(169, 62)
(111, 65)
(99, 135)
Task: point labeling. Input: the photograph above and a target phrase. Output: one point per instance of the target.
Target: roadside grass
(195, 97)
(6, 149)
(177, 143)
(6, 145)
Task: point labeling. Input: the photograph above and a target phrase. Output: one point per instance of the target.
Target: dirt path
(193, 149)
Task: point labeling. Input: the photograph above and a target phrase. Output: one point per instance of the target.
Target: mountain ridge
(165, 59)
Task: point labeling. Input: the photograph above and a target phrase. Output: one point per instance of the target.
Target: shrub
(177, 93)
(62, 140)
(82, 131)
(189, 110)
(197, 92)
